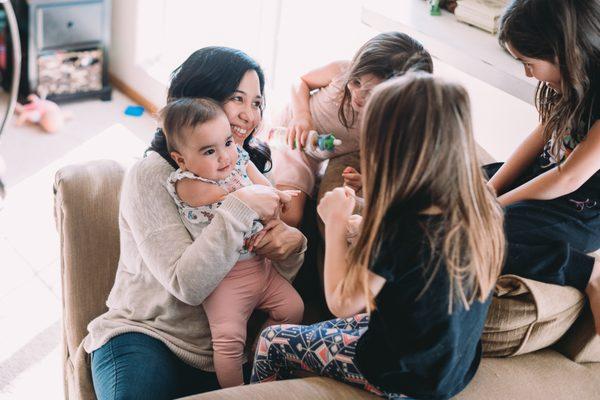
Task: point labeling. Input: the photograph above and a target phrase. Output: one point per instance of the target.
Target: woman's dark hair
(214, 72)
(387, 55)
(565, 33)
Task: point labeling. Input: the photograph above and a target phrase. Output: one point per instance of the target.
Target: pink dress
(296, 169)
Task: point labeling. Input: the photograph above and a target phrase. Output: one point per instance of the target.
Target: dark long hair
(567, 33)
(214, 72)
(386, 55)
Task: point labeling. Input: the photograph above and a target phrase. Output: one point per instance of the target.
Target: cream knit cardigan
(163, 275)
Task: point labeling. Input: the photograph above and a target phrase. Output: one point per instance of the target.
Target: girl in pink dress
(330, 99)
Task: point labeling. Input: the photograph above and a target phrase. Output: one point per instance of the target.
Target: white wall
(309, 34)
(134, 44)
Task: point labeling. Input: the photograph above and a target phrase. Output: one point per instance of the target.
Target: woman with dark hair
(222, 74)
(154, 342)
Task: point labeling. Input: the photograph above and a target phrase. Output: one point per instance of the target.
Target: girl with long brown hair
(550, 185)
(331, 99)
(424, 264)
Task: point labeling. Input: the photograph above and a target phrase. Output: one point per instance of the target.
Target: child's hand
(298, 130)
(337, 205)
(352, 178)
(292, 193)
(252, 241)
(353, 227)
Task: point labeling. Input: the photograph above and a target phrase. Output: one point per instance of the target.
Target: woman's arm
(580, 165)
(284, 246)
(301, 122)
(521, 158)
(335, 208)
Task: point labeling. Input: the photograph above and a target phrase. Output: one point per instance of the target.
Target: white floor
(30, 308)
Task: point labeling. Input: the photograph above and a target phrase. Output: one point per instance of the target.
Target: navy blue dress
(414, 346)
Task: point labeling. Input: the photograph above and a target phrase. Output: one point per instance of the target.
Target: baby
(199, 139)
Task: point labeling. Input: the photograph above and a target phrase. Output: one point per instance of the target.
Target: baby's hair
(565, 33)
(386, 55)
(181, 115)
(417, 151)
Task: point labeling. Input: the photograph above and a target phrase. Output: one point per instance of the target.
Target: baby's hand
(352, 178)
(353, 228)
(297, 131)
(253, 240)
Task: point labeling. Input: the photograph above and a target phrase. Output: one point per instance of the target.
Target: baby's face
(209, 151)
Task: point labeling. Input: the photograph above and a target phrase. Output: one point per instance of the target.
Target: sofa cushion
(527, 315)
(544, 374)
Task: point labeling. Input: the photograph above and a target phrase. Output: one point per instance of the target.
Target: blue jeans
(137, 366)
(548, 240)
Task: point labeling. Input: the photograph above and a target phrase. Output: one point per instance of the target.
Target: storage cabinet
(67, 48)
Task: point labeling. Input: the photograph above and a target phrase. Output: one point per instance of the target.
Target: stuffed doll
(44, 113)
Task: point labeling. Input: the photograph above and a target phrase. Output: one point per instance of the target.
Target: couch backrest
(86, 209)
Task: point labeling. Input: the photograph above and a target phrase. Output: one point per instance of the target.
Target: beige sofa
(86, 207)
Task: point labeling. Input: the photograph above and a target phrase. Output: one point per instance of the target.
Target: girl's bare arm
(580, 165)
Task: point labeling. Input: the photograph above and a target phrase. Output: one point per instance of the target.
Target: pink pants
(250, 285)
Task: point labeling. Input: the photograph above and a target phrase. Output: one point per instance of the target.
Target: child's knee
(228, 338)
(296, 309)
(270, 332)
(290, 312)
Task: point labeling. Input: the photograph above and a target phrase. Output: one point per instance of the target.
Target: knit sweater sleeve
(188, 269)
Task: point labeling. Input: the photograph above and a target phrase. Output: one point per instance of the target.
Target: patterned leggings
(326, 348)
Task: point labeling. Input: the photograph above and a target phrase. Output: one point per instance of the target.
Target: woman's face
(542, 70)
(243, 107)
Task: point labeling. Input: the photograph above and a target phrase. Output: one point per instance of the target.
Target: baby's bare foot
(593, 292)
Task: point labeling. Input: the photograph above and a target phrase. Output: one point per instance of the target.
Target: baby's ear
(178, 158)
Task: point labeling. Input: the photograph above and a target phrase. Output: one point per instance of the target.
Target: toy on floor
(44, 113)
(134, 111)
(316, 145)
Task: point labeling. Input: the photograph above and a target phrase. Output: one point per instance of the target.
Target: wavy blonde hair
(417, 151)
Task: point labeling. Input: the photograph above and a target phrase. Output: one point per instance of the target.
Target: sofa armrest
(86, 206)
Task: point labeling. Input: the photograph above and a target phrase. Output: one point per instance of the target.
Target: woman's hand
(352, 178)
(277, 242)
(298, 129)
(337, 206)
(264, 200)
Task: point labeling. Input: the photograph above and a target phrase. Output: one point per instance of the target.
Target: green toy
(434, 7)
